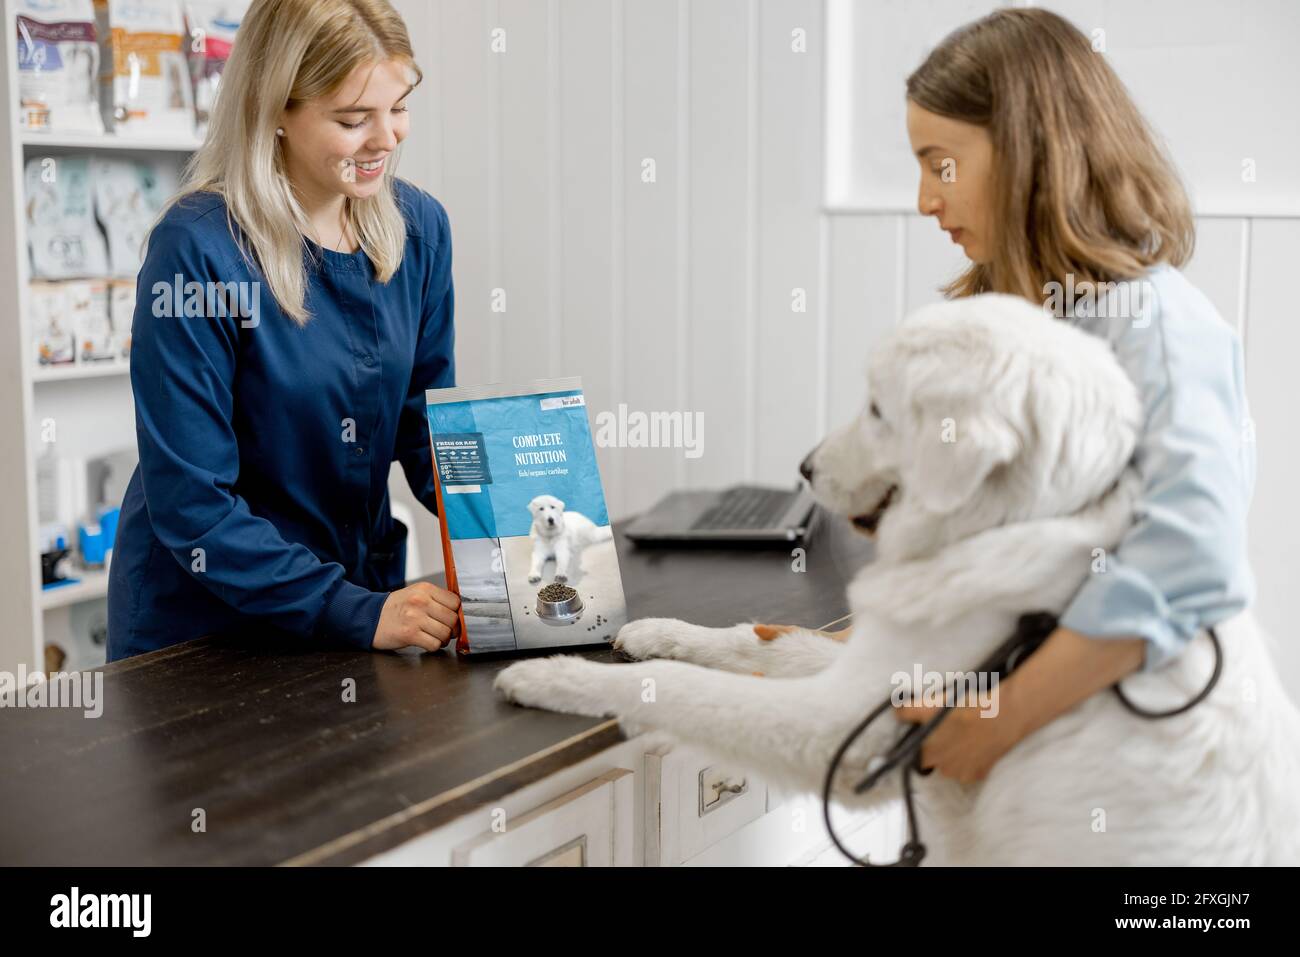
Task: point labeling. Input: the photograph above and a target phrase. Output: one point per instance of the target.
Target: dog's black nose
(805, 468)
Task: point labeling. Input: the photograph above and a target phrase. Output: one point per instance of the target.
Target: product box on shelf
(129, 195)
(212, 25)
(50, 323)
(80, 321)
(58, 67)
(146, 81)
(62, 235)
(92, 331)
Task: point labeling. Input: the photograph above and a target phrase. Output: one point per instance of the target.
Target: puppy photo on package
(526, 536)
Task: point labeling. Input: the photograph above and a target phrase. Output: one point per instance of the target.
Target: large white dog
(991, 462)
(560, 535)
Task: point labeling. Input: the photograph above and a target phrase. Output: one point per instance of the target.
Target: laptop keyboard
(745, 508)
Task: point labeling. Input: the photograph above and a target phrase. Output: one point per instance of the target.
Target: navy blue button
(360, 451)
(368, 360)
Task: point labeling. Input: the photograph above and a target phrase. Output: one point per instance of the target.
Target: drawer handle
(718, 786)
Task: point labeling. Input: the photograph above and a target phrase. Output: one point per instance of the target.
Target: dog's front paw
(561, 578)
(652, 638)
(558, 683)
(534, 579)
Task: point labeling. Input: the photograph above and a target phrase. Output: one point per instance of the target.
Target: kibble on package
(212, 25)
(129, 195)
(58, 66)
(62, 236)
(142, 64)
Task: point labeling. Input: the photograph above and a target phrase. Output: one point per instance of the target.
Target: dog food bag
(212, 25)
(121, 313)
(62, 236)
(87, 303)
(145, 79)
(51, 329)
(58, 66)
(129, 195)
(526, 539)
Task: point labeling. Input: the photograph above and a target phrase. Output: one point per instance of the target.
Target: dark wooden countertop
(253, 730)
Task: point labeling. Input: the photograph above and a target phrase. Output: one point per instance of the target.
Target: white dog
(990, 463)
(562, 536)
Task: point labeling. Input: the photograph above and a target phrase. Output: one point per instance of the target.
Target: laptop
(751, 514)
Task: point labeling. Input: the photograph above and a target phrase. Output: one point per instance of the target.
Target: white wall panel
(789, 344)
(421, 156)
(723, 217)
(866, 292)
(467, 186)
(874, 45)
(1215, 266)
(590, 127)
(1215, 79)
(932, 261)
(1272, 350)
(654, 177)
(526, 207)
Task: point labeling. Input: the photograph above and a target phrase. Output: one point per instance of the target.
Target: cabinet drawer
(590, 826)
(693, 801)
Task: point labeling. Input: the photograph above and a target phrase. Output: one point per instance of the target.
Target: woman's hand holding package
(422, 614)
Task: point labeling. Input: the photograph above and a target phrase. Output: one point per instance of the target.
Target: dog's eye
(875, 410)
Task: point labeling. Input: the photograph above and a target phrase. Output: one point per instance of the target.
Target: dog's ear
(955, 446)
(559, 505)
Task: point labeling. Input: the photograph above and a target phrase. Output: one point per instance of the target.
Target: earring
(279, 131)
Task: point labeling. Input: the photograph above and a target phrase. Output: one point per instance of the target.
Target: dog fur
(1002, 450)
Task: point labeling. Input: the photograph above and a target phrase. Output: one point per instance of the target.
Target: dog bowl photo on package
(559, 604)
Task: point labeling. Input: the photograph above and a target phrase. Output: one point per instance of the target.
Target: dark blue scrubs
(265, 447)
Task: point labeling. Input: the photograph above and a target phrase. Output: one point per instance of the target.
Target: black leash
(1031, 631)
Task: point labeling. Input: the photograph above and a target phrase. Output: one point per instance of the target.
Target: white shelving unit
(107, 141)
(28, 393)
(88, 371)
(93, 584)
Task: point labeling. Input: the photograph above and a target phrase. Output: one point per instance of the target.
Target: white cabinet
(693, 801)
(590, 826)
(640, 802)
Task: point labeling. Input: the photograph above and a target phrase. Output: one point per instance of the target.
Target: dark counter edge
(436, 810)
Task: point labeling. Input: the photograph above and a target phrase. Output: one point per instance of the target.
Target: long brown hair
(1081, 184)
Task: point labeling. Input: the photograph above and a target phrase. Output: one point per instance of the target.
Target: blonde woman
(1036, 162)
(294, 303)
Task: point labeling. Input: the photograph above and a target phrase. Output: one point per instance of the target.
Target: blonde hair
(286, 52)
(1081, 184)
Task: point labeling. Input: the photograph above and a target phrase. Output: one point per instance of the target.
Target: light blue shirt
(1182, 565)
